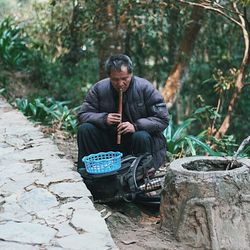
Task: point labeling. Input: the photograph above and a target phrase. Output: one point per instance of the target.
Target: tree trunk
(114, 32)
(173, 83)
(239, 84)
(234, 16)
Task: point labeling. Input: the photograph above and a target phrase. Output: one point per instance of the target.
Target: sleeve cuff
(135, 126)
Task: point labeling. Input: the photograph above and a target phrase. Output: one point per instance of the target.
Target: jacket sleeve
(157, 118)
(90, 111)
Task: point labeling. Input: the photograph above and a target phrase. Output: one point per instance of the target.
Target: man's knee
(86, 128)
(141, 136)
(141, 142)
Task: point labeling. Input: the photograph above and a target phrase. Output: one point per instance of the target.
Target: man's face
(120, 79)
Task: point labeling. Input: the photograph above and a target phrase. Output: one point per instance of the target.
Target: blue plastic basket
(103, 162)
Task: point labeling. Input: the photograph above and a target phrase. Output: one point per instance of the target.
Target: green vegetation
(59, 48)
(181, 142)
(49, 112)
(13, 46)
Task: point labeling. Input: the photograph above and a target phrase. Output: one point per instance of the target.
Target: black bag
(123, 184)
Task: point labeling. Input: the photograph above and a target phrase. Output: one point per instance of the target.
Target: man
(141, 124)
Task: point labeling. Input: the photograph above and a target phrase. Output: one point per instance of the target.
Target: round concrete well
(207, 206)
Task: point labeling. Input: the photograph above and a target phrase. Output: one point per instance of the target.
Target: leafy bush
(13, 50)
(181, 144)
(49, 112)
(51, 77)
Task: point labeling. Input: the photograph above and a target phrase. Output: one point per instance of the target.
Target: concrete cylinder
(206, 206)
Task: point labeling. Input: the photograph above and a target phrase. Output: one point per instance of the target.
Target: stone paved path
(44, 205)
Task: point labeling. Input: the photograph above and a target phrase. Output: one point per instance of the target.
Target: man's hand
(125, 127)
(113, 118)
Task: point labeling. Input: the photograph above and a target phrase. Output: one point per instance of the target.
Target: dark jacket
(143, 106)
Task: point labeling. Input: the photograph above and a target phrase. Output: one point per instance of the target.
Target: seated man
(144, 115)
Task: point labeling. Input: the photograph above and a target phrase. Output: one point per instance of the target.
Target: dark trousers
(91, 140)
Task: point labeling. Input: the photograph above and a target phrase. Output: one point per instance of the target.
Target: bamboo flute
(120, 112)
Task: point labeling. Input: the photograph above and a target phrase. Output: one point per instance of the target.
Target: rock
(22, 232)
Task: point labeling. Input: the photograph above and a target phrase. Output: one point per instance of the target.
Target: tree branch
(209, 7)
(239, 81)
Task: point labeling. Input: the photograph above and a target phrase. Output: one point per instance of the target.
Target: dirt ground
(132, 226)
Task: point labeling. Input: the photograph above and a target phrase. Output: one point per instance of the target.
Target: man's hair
(116, 63)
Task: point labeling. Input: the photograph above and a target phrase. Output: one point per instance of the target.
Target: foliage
(206, 117)
(13, 49)
(246, 152)
(180, 143)
(222, 53)
(240, 125)
(65, 42)
(53, 81)
(41, 50)
(49, 112)
(245, 2)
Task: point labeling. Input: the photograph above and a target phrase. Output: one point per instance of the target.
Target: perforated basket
(103, 162)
